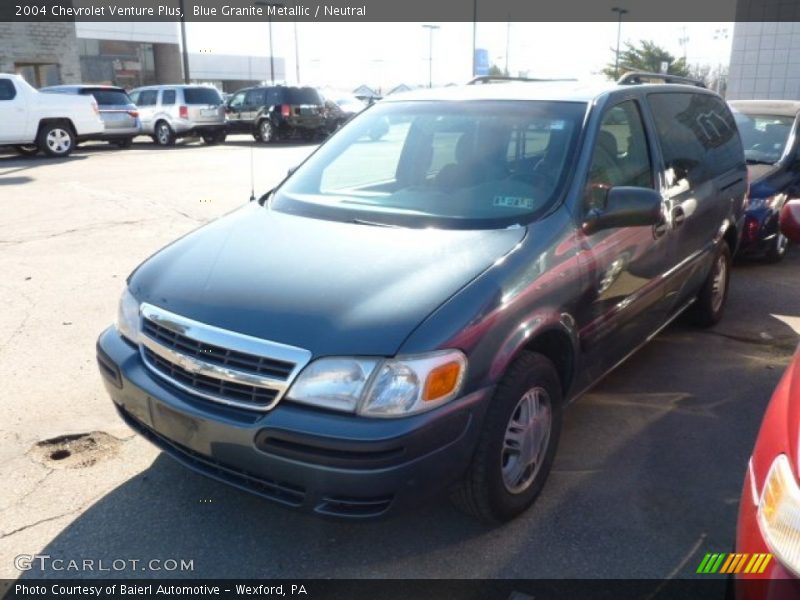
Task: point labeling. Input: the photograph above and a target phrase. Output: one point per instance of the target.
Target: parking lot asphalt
(647, 478)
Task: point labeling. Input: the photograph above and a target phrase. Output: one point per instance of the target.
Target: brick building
(43, 53)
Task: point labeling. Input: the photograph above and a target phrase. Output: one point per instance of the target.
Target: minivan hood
(329, 287)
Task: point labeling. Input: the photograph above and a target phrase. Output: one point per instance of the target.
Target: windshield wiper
(755, 161)
(262, 201)
(373, 223)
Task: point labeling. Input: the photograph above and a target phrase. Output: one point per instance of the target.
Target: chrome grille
(217, 364)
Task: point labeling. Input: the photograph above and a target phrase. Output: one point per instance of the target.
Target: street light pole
(430, 29)
(269, 26)
(183, 45)
(620, 12)
(296, 54)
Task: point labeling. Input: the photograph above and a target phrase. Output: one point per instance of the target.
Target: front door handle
(678, 216)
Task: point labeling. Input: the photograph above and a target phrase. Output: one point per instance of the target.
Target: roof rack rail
(640, 77)
(483, 79)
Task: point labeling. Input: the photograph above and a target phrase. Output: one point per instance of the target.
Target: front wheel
(710, 304)
(777, 248)
(518, 444)
(56, 140)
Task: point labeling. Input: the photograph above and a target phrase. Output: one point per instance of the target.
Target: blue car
(769, 131)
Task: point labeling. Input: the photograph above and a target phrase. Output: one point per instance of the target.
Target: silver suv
(169, 112)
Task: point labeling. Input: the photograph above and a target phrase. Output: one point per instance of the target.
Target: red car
(769, 510)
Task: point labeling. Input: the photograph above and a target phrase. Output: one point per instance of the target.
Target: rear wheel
(31, 150)
(518, 443)
(777, 248)
(265, 132)
(710, 304)
(56, 139)
(164, 136)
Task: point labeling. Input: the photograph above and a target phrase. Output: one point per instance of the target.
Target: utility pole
(296, 53)
(508, 42)
(684, 42)
(620, 12)
(186, 78)
(430, 29)
(269, 26)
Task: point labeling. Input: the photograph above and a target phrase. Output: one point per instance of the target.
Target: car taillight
(286, 110)
(751, 229)
(133, 113)
(183, 112)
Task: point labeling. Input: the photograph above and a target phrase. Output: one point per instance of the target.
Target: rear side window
(7, 90)
(698, 136)
(303, 96)
(274, 97)
(168, 97)
(147, 98)
(108, 97)
(201, 95)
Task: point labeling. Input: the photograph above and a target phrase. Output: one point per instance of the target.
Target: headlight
(382, 388)
(128, 317)
(779, 513)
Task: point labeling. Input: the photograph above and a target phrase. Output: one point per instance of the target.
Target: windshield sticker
(557, 125)
(513, 202)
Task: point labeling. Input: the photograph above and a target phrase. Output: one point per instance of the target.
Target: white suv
(53, 123)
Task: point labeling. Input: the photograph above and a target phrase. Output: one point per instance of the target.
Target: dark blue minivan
(410, 315)
(769, 131)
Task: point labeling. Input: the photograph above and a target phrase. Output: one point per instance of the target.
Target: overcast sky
(386, 54)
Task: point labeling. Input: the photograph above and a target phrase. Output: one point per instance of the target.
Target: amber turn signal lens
(441, 381)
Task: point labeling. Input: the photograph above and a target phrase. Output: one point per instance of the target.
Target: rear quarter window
(7, 90)
(698, 135)
(201, 95)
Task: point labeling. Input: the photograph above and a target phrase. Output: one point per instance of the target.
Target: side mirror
(625, 207)
(790, 220)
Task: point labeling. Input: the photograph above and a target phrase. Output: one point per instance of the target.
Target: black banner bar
(398, 10)
(711, 587)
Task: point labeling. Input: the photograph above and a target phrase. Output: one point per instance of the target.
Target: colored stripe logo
(727, 563)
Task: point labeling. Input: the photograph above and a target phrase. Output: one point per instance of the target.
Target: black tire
(265, 132)
(28, 150)
(56, 139)
(710, 305)
(215, 138)
(777, 248)
(123, 143)
(483, 491)
(163, 134)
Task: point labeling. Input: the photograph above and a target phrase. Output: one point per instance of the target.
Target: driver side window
(237, 100)
(621, 155)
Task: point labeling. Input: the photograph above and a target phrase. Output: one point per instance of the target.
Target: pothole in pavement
(75, 451)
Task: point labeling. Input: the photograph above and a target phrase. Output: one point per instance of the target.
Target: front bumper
(323, 462)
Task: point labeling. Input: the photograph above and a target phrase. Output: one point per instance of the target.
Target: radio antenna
(252, 180)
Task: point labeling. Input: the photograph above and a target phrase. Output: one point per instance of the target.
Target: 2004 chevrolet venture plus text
(410, 315)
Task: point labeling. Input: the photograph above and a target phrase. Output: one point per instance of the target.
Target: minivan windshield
(764, 137)
(452, 164)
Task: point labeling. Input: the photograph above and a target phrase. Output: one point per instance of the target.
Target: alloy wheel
(525, 441)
